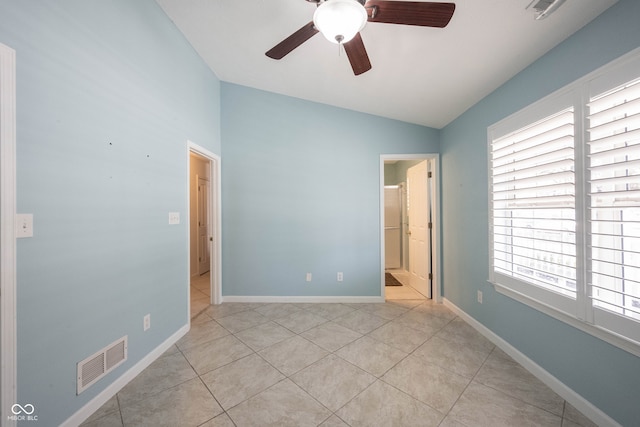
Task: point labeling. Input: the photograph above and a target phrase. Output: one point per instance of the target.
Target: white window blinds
(534, 204)
(614, 204)
(564, 204)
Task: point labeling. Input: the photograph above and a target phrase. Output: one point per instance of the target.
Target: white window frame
(579, 312)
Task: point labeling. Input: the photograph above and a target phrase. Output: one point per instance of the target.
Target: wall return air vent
(101, 363)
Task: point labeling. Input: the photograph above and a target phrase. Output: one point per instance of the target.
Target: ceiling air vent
(544, 8)
(101, 363)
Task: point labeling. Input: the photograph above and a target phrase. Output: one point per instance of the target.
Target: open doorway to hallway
(409, 234)
(204, 229)
(199, 231)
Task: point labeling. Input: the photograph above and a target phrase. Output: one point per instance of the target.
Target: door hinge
(430, 276)
(429, 174)
(430, 225)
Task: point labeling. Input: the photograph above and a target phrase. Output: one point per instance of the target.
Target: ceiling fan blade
(424, 14)
(357, 55)
(280, 50)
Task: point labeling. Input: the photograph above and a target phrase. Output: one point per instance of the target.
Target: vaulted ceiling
(421, 75)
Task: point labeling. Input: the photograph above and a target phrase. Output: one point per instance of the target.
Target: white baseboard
(94, 404)
(568, 394)
(303, 299)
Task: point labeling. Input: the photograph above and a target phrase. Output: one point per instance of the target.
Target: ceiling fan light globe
(340, 20)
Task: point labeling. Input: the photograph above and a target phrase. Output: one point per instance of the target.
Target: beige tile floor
(402, 363)
(200, 292)
(401, 292)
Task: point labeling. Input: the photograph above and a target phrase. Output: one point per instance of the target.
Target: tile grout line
(515, 397)
(467, 386)
(288, 377)
(331, 352)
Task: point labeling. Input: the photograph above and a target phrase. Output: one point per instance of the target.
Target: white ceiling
(427, 76)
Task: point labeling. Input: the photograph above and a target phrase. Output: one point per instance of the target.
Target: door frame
(8, 323)
(215, 266)
(434, 186)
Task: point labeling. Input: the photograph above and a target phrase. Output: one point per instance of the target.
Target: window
(564, 199)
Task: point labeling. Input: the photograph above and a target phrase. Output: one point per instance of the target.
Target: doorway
(204, 229)
(410, 245)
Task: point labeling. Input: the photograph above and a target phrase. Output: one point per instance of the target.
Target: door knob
(211, 239)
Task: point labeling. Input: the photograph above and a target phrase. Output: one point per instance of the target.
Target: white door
(419, 242)
(204, 256)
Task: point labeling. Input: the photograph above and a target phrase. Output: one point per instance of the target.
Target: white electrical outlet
(480, 297)
(174, 218)
(147, 322)
(24, 225)
(308, 277)
(340, 277)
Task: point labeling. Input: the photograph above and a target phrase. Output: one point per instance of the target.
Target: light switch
(24, 225)
(174, 218)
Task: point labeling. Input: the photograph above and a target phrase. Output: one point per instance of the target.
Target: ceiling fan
(341, 21)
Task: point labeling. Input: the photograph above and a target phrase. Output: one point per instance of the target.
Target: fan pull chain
(339, 39)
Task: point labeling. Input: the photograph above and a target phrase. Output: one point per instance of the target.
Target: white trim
(8, 339)
(94, 404)
(216, 219)
(608, 336)
(580, 403)
(303, 299)
(435, 230)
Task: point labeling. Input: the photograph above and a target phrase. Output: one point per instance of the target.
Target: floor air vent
(101, 363)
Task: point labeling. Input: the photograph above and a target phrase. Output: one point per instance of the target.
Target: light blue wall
(301, 193)
(108, 92)
(401, 169)
(390, 174)
(603, 374)
(396, 173)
